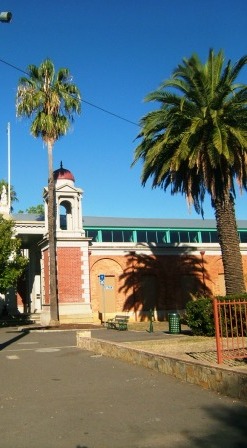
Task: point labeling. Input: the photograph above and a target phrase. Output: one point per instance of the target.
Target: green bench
(118, 323)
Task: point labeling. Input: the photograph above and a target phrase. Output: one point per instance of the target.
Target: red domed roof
(62, 173)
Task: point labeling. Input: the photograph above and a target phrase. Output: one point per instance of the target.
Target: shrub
(233, 316)
(234, 297)
(200, 316)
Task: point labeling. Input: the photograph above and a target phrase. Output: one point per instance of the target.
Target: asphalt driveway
(54, 395)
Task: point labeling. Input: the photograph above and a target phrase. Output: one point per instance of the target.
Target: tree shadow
(14, 339)
(162, 283)
(225, 426)
(228, 428)
(9, 320)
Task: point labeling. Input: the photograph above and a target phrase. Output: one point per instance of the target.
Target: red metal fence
(230, 329)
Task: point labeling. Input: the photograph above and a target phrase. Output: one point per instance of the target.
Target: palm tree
(196, 143)
(51, 99)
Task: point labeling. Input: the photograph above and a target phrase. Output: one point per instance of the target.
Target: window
(107, 236)
(151, 236)
(243, 237)
(184, 237)
(141, 236)
(117, 236)
(193, 237)
(92, 234)
(161, 236)
(214, 237)
(174, 236)
(154, 236)
(209, 237)
(122, 236)
(205, 237)
(128, 236)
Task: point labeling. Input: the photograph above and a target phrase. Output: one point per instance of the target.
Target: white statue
(4, 196)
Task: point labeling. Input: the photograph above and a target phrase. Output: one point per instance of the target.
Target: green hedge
(200, 316)
(240, 297)
(233, 317)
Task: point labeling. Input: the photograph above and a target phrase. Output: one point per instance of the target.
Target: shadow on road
(11, 341)
(228, 428)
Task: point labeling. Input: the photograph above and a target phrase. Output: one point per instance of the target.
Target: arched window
(65, 213)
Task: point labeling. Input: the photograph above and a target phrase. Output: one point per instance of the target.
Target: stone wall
(222, 380)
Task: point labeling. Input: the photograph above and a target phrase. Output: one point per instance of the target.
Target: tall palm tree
(196, 143)
(51, 99)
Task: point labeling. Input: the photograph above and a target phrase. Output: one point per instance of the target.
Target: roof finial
(61, 165)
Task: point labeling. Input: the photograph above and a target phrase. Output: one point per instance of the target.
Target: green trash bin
(174, 323)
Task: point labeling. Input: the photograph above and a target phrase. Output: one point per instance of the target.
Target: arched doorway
(105, 297)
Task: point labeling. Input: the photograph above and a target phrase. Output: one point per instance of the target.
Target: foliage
(196, 143)
(233, 297)
(50, 98)
(35, 209)
(233, 314)
(12, 262)
(200, 316)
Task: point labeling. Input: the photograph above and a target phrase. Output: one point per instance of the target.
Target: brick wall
(69, 268)
(163, 282)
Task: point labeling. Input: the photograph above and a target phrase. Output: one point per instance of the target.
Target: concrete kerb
(223, 380)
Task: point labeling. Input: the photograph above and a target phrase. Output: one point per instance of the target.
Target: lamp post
(203, 273)
(5, 17)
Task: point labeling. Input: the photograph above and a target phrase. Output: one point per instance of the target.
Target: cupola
(63, 175)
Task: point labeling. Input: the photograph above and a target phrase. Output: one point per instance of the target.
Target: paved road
(54, 395)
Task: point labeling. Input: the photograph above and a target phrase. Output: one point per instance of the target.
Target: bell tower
(72, 249)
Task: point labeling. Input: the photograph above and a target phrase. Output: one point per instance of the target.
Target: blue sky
(117, 51)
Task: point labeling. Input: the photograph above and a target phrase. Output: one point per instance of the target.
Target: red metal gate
(230, 329)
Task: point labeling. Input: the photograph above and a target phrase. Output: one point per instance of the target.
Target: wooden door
(108, 295)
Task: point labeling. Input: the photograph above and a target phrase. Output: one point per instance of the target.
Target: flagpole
(9, 187)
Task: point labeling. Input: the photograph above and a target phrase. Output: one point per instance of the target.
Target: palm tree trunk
(229, 243)
(54, 314)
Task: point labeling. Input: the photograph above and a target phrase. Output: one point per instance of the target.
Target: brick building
(145, 263)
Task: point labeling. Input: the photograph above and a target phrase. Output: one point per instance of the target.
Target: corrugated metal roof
(96, 221)
(26, 217)
(107, 221)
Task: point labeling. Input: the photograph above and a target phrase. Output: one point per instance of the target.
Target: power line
(110, 113)
(13, 66)
(83, 101)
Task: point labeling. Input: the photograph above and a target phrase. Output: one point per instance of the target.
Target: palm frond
(50, 97)
(197, 140)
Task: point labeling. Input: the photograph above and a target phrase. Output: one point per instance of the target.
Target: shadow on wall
(162, 283)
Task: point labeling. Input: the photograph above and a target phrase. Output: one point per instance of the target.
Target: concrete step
(80, 319)
(35, 318)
